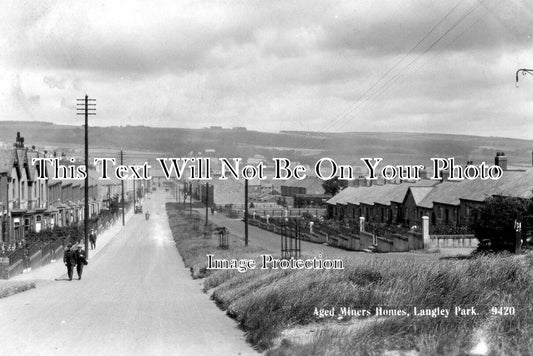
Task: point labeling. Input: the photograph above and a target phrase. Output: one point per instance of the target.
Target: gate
(222, 237)
(527, 232)
(290, 239)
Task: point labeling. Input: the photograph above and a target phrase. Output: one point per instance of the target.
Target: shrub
(495, 221)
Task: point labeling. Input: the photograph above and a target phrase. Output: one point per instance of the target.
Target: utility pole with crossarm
(86, 107)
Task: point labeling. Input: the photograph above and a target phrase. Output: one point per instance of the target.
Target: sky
(325, 66)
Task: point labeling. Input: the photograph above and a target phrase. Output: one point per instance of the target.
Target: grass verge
(269, 304)
(8, 288)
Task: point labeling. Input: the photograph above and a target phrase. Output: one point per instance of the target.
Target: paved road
(135, 298)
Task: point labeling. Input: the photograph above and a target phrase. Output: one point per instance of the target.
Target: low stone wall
(366, 240)
(35, 257)
(452, 241)
(400, 243)
(4, 267)
(384, 244)
(362, 241)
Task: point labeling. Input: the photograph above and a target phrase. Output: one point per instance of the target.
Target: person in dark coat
(69, 259)
(80, 260)
(92, 239)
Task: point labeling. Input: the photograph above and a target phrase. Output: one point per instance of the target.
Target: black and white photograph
(266, 177)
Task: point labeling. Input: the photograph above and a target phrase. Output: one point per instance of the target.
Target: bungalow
(449, 203)
(376, 203)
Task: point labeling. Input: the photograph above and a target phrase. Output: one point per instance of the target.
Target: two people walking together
(74, 258)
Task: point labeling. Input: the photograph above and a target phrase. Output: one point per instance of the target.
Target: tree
(495, 220)
(331, 186)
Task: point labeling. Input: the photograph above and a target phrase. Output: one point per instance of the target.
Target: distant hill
(399, 148)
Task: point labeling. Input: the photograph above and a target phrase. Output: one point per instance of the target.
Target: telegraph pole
(190, 197)
(246, 212)
(122, 184)
(134, 195)
(518, 224)
(86, 107)
(206, 202)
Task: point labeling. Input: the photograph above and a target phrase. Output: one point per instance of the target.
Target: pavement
(135, 298)
(57, 269)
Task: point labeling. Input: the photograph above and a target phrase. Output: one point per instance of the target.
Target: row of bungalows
(452, 203)
(446, 203)
(30, 204)
(376, 203)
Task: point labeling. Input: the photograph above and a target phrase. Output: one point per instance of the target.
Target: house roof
(312, 185)
(427, 192)
(32, 168)
(512, 183)
(21, 154)
(419, 193)
(377, 194)
(6, 160)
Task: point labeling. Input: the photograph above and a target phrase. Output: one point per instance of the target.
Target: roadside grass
(267, 303)
(8, 288)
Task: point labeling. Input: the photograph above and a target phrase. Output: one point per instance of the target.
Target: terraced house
(446, 203)
(31, 204)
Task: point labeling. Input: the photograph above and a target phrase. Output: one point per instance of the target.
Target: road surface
(135, 298)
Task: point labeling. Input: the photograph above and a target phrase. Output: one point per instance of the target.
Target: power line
(392, 80)
(383, 76)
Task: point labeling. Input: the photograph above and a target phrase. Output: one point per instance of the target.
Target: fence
(41, 252)
(453, 241)
(237, 213)
(374, 237)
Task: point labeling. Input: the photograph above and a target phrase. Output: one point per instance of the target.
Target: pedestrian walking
(92, 239)
(69, 259)
(81, 261)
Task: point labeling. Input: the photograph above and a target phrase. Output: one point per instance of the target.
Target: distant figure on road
(92, 239)
(80, 260)
(212, 210)
(69, 259)
(147, 215)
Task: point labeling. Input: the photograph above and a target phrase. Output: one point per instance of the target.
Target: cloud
(68, 105)
(26, 102)
(272, 65)
(54, 83)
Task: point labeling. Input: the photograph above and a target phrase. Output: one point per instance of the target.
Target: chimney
(19, 141)
(501, 160)
(423, 174)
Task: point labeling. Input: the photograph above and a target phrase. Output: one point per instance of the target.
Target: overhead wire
(395, 78)
(384, 75)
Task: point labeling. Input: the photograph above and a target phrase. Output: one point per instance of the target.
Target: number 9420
(503, 311)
